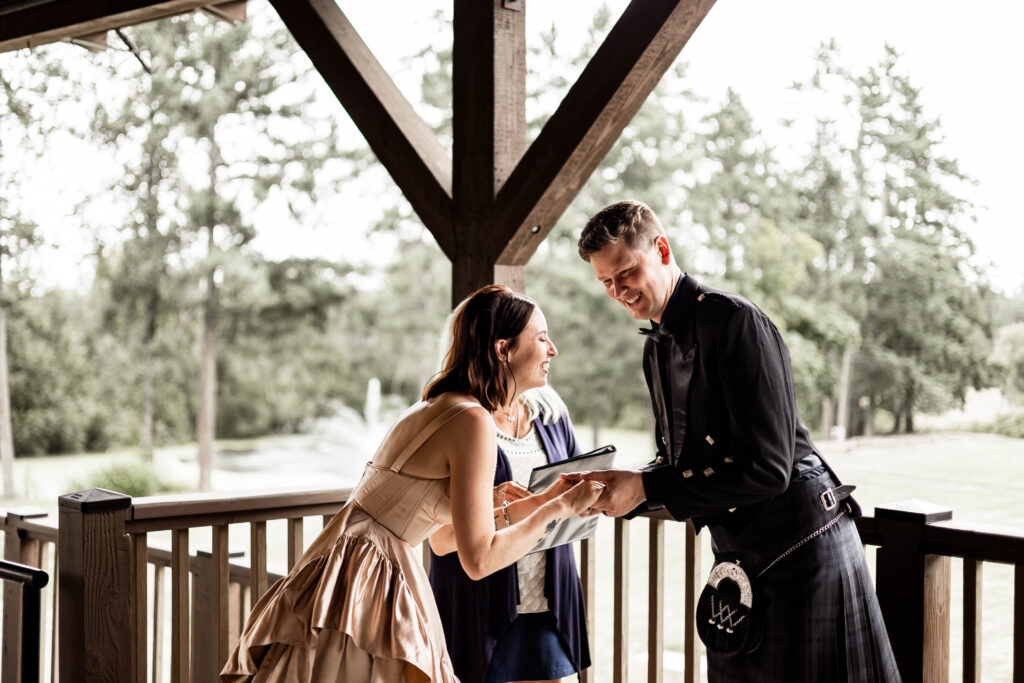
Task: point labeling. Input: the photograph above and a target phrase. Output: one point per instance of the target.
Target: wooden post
(913, 590)
(94, 567)
(22, 551)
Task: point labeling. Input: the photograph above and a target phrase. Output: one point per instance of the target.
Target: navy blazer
(476, 613)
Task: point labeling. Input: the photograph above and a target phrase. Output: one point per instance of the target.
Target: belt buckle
(828, 499)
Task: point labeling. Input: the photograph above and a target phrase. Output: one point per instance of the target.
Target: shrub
(1009, 424)
(135, 479)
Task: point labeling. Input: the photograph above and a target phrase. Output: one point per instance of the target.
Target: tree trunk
(827, 410)
(206, 424)
(845, 381)
(908, 406)
(869, 418)
(149, 332)
(6, 431)
(595, 431)
(828, 406)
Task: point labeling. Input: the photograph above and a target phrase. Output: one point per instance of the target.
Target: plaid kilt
(818, 606)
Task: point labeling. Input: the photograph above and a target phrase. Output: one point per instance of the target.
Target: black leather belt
(804, 508)
(831, 497)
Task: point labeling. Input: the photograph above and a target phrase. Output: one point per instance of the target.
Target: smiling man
(791, 598)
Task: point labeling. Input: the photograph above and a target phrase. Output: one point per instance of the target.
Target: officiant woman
(525, 622)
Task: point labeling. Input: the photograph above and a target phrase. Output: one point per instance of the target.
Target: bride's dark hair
(471, 364)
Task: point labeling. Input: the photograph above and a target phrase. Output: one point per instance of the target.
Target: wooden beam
(397, 135)
(489, 129)
(626, 68)
(29, 24)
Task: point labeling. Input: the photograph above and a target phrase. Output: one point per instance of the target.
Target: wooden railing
(112, 617)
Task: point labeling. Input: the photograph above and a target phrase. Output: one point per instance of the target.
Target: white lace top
(523, 455)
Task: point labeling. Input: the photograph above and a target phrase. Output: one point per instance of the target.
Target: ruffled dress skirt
(357, 607)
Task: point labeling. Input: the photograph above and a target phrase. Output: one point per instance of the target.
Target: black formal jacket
(729, 437)
(476, 613)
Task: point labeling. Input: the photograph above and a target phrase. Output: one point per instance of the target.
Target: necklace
(512, 416)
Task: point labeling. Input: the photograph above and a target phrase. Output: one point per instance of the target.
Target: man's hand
(625, 490)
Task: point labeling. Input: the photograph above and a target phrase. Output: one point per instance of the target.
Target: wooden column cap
(94, 500)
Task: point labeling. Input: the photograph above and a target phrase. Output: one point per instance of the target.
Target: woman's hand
(510, 491)
(583, 495)
(556, 489)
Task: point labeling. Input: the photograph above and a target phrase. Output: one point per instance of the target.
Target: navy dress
(476, 614)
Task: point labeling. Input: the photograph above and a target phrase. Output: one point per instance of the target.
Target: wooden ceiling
(494, 200)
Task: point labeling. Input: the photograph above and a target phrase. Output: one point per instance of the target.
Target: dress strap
(428, 431)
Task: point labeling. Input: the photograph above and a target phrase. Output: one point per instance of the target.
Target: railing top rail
(974, 542)
(39, 527)
(201, 509)
(985, 543)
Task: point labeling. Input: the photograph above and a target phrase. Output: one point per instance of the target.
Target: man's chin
(637, 313)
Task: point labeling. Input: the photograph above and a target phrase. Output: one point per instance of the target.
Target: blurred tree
(277, 365)
(141, 291)
(829, 211)
(1008, 356)
(928, 313)
(31, 88)
(244, 111)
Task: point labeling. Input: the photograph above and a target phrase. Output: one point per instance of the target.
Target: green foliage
(1008, 357)
(135, 479)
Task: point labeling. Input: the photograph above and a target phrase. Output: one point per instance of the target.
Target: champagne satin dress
(358, 606)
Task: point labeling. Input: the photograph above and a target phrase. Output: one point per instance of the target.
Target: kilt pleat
(822, 622)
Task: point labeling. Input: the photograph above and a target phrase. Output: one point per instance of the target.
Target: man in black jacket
(733, 456)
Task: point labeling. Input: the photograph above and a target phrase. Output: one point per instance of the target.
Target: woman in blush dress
(358, 606)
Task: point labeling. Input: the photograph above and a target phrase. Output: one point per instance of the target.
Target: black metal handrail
(32, 581)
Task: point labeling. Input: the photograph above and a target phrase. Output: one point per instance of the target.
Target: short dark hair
(627, 220)
(471, 364)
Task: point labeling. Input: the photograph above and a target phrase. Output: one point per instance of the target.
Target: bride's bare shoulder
(424, 411)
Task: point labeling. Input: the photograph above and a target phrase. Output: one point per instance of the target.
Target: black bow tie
(658, 334)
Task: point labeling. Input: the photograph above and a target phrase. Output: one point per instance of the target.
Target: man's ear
(664, 250)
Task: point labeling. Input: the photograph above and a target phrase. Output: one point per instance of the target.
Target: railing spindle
(1018, 623)
(587, 566)
(54, 610)
(620, 618)
(972, 621)
(294, 541)
(257, 560)
(159, 605)
(694, 584)
(221, 616)
(180, 663)
(140, 592)
(655, 600)
(44, 564)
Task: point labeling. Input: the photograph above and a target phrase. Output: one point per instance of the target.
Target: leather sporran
(726, 619)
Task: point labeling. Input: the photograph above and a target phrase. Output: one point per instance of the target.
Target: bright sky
(965, 59)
